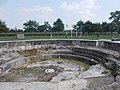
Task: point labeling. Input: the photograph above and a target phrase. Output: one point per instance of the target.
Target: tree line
(59, 26)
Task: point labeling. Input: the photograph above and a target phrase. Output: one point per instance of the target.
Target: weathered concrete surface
(95, 82)
(113, 86)
(64, 85)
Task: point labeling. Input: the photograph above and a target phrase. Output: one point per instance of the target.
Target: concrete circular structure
(92, 52)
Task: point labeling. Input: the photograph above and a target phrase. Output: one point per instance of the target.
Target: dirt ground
(33, 74)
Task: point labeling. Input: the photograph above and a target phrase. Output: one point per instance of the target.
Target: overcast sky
(16, 12)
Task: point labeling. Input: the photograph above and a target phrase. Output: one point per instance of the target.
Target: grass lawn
(89, 37)
(5, 38)
(84, 65)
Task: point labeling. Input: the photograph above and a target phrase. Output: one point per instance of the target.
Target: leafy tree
(88, 26)
(110, 28)
(80, 25)
(104, 27)
(58, 25)
(97, 27)
(3, 27)
(19, 30)
(41, 28)
(31, 26)
(114, 27)
(74, 27)
(115, 17)
(12, 30)
(15, 30)
(79, 28)
(47, 26)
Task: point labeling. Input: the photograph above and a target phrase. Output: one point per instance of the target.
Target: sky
(17, 12)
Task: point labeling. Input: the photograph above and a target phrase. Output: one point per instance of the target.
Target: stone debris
(49, 70)
(64, 85)
(70, 78)
(93, 71)
(65, 75)
(7, 54)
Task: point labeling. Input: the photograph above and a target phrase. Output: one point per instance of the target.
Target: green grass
(89, 37)
(5, 38)
(84, 65)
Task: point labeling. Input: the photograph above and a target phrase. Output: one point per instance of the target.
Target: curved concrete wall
(89, 55)
(72, 42)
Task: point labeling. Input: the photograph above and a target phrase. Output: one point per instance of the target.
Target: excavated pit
(24, 67)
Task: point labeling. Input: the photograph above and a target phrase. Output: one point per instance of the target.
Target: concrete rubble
(71, 78)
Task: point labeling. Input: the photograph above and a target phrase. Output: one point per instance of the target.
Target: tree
(88, 26)
(114, 27)
(41, 28)
(31, 26)
(79, 25)
(12, 30)
(104, 27)
(15, 30)
(19, 30)
(47, 26)
(3, 27)
(97, 27)
(79, 28)
(58, 25)
(74, 27)
(115, 17)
